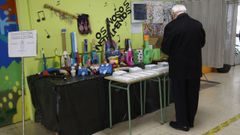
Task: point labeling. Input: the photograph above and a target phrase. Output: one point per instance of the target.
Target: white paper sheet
(22, 43)
(136, 28)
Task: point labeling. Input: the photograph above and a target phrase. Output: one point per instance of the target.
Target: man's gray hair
(179, 9)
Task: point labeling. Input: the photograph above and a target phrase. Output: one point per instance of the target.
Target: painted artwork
(158, 17)
(10, 68)
(155, 12)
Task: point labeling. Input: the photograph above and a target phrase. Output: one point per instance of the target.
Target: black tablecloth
(79, 106)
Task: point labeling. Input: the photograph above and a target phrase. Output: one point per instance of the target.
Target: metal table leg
(114, 85)
(160, 100)
(164, 96)
(141, 102)
(129, 110)
(169, 89)
(164, 90)
(144, 98)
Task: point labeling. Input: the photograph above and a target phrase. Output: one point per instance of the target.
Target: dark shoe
(177, 126)
(190, 124)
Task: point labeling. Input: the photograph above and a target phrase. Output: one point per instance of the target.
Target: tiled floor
(218, 103)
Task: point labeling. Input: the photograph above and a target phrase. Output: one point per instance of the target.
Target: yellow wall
(24, 24)
(98, 11)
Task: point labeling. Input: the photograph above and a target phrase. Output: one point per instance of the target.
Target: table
(124, 82)
(166, 93)
(77, 107)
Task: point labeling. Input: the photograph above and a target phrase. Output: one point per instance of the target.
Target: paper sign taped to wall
(22, 43)
(136, 28)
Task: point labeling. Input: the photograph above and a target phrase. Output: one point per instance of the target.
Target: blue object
(85, 59)
(50, 71)
(8, 23)
(3, 2)
(82, 71)
(105, 69)
(95, 58)
(74, 46)
(112, 53)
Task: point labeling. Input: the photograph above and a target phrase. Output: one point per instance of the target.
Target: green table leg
(129, 110)
(169, 89)
(141, 102)
(164, 90)
(110, 104)
(160, 100)
(164, 96)
(144, 98)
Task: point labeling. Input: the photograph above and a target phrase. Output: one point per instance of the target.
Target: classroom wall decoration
(159, 15)
(116, 21)
(10, 68)
(49, 17)
(62, 14)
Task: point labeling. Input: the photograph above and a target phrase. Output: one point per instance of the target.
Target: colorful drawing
(158, 17)
(10, 68)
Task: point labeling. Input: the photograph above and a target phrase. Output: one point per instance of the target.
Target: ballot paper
(118, 73)
(139, 74)
(135, 69)
(150, 66)
(162, 64)
(123, 78)
(130, 76)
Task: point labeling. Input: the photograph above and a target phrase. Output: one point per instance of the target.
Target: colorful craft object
(105, 69)
(82, 71)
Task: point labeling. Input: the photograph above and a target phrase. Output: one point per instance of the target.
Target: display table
(123, 82)
(79, 105)
(76, 106)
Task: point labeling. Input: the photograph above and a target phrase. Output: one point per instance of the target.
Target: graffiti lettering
(127, 4)
(103, 30)
(98, 35)
(116, 20)
(117, 25)
(114, 31)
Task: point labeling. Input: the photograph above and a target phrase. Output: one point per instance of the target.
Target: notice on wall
(136, 28)
(22, 43)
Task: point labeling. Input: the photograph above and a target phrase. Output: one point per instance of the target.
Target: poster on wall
(22, 43)
(10, 68)
(136, 28)
(158, 16)
(155, 12)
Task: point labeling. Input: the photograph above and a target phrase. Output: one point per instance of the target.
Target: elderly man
(182, 42)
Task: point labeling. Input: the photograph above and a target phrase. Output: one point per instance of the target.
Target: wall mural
(10, 68)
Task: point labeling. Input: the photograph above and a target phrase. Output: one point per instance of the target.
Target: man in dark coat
(183, 40)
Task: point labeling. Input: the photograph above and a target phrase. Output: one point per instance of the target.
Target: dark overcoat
(183, 40)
